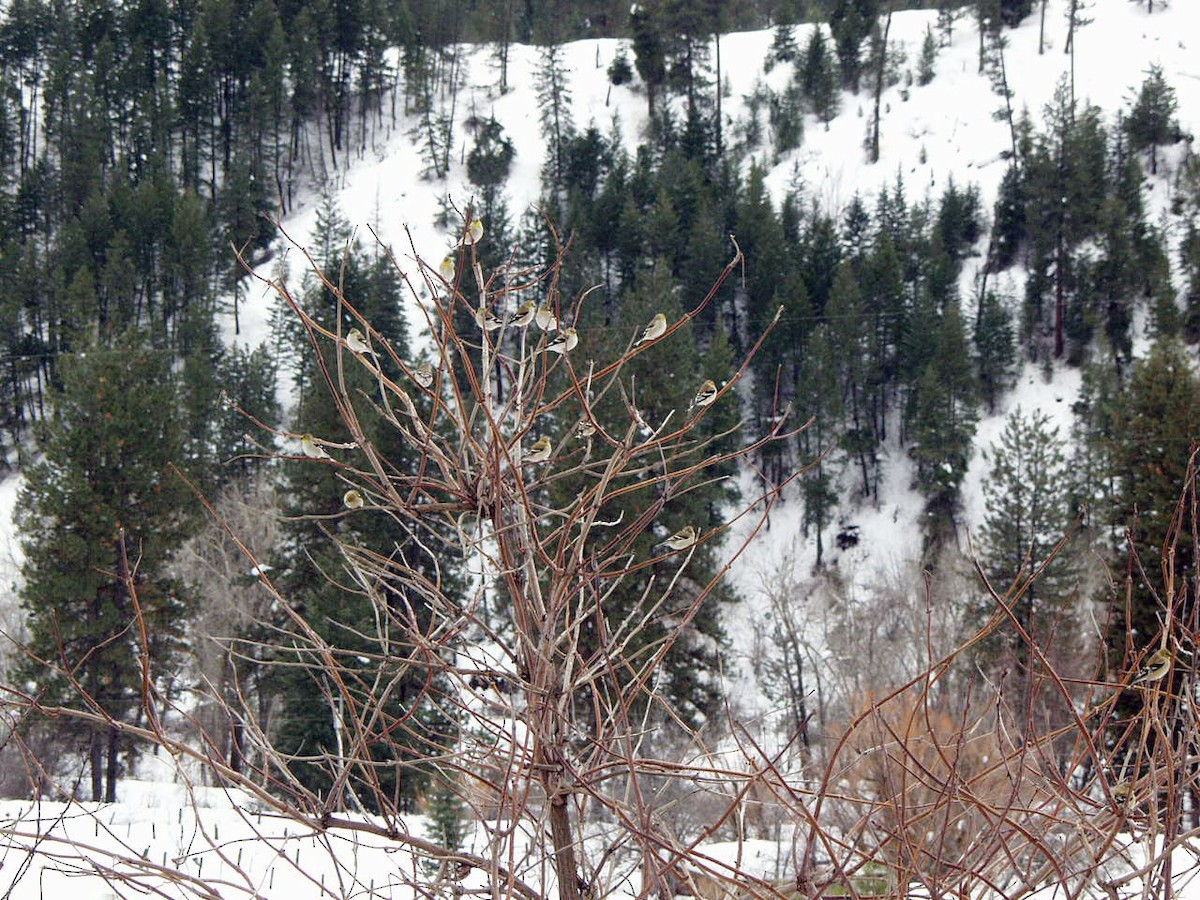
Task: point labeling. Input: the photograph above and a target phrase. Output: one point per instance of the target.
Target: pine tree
(941, 423)
(661, 383)
(850, 22)
(995, 349)
(1155, 423)
(1028, 512)
(316, 573)
(102, 516)
(1151, 121)
(929, 51)
(816, 74)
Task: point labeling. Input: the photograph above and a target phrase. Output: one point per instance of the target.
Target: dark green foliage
(995, 349)
(649, 50)
(491, 158)
(958, 226)
(1155, 422)
(1189, 257)
(619, 70)
(929, 50)
(103, 513)
(314, 572)
(1029, 511)
(941, 422)
(850, 22)
(1151, 121)
(816, 75)
(784, 48)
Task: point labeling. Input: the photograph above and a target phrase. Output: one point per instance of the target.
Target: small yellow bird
(585, 429)
(524, 315)
(474, 233)
(682, 539)
(564, 341)
(487, 320)
(446, 269)
(353, 499)
(423, 375)
(540, 451)
(1156, 667)
(356, 342)
(706, 394)
(545, 318)
(310, 447)
(652, 332)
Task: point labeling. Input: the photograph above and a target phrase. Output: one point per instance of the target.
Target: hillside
(840, 556)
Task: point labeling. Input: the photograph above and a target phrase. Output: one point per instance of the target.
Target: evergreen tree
(662, 382)
(1155, 422)
(1151, 121)
(816, 74)
(850, 22)
(941, 423)
(102, 515)
(323, 533)
(649, 50)
(995, 349)
(929, 50)
(1028, 512)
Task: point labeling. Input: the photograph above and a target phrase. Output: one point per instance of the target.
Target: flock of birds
(563, 341)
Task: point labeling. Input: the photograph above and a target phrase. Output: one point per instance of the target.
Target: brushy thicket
(546, 732)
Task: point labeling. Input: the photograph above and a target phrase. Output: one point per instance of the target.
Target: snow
(929, 135)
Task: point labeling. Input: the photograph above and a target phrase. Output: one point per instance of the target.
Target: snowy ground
(942, 131)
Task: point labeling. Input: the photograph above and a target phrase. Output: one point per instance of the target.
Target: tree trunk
(112, 768)
(879, 73)
(96, 764)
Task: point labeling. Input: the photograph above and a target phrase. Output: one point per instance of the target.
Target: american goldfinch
(310, 447)
(652, 332)
(706, 394)
(356, 342)
(474, 232)
(563, 341)
(423, 375)
(446, 268)
(524, 315)
(585, 429)
(540, 451)
(682, 539)
(1156, 667)
(352, 499)
(545, 318)
(487, 320)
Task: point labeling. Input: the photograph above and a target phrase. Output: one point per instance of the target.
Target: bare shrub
(555, 763)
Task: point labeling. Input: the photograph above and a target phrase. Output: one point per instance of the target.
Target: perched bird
(545, 318)
(488, 320)
(356, 342)
(563, 341)
(474, 232)
(423, 375)
(585, 429)
(352, 499)
(652, 332)
(310, 447)
(1156, 667)
(524, 315)
(540, 451)
(446, 268)
(706, 394)
(682, 539)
